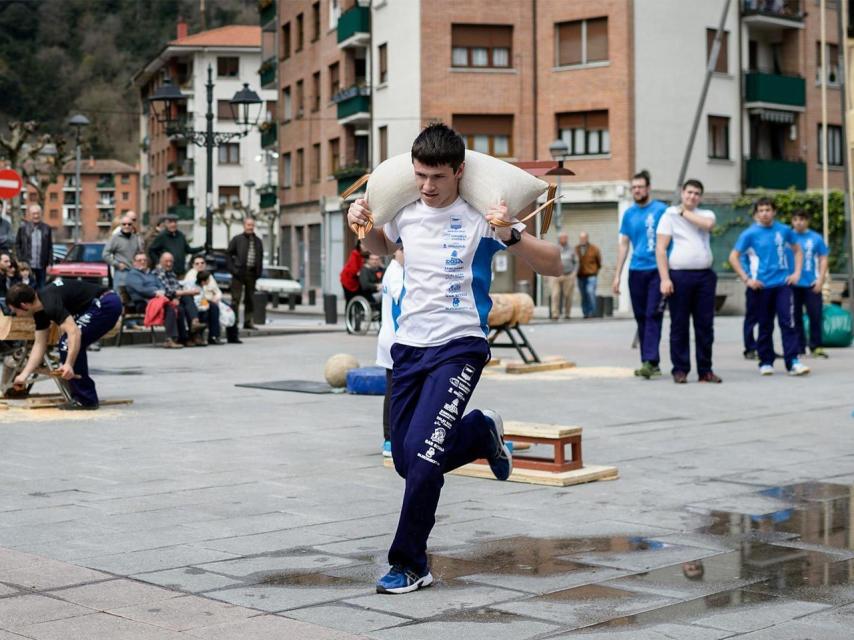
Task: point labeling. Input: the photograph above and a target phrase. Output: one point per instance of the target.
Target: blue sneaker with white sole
(400, 580)
(501, 461)
(387, 449)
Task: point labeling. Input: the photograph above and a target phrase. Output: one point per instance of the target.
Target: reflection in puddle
(522, 555)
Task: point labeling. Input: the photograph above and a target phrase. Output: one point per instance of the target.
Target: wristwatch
(515, 236)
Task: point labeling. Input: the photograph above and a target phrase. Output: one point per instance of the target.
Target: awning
(774, 115)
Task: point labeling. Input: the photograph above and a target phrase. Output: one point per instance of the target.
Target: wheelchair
(362, 314)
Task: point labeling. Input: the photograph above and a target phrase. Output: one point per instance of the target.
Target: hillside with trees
(60, 57)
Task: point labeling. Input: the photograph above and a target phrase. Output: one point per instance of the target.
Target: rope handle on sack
(548, 207)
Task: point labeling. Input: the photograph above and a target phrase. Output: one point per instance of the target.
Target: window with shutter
(581, 42)
(490, 134)
(585, 132)
(481, 45)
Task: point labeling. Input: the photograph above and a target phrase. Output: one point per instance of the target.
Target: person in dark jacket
(5, 235)
(34, 244)
(141, 286)
(246, 257)
(173, 241)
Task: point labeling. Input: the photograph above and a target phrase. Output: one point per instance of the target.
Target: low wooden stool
(553, 435)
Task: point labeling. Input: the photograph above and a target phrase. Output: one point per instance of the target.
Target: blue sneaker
(400, 580)
(387, 449)
(501, 462)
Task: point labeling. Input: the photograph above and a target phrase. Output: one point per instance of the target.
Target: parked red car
(83, 262)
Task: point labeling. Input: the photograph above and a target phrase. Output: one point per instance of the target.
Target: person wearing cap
(172, 240)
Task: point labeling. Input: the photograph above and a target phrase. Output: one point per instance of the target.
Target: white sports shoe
(766, 370)
(798, 368)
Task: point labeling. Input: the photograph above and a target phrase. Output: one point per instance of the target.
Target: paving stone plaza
(204, 510)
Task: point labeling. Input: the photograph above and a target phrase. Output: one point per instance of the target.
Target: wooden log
(523, 308)
(502, 310)
(12, 328)
(534, 367)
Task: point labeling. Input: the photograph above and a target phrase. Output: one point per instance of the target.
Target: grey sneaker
(501, 461)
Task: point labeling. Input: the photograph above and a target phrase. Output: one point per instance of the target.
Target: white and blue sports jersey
(813, 247)
(639, 225)
(447, 273)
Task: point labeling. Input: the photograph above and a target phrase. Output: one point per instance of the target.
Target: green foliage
(60, 57)
(788, 202)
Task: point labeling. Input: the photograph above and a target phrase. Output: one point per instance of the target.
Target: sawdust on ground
(18, 415)
(574, 373)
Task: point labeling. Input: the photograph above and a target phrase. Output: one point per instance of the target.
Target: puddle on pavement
(119, 371)
(309, 580)
(589, 593)
(523, 555)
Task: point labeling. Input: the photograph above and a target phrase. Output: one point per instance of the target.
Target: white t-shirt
(392, 288)
(689, 245)
(447, 273)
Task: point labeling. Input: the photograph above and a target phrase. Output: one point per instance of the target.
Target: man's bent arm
(542, 256)
(661, 245)
(376, 242)
(735, 263)
(706, 224)
(36, 353)
(73, 340)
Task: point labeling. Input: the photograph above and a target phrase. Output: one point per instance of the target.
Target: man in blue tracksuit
(440, 344)
(767, 241)
(638, 228)
(807, 290)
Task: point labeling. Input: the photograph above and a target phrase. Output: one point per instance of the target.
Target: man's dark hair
(437, 145)
(19, 293)
(801, 213)
(202, 275)
(643, 174)
(764, 202)
(694, 183)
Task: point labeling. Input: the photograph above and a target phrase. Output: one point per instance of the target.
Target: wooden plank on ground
(538, 430)
(52, 403)
(589, 473)
(551, 365)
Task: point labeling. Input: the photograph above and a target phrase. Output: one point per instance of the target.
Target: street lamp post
(249, 184)
(246, 109)
(559, 151)
(78, 122)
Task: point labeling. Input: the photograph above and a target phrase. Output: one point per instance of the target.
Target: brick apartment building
(617, 80)
(108, 190)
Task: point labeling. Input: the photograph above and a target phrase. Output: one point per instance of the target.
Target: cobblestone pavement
(209, 511)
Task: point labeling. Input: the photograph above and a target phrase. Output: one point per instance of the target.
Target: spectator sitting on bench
(174, 290)
(141, 285)
(208, 300)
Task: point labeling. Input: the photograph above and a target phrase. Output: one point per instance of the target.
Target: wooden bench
(556, 436)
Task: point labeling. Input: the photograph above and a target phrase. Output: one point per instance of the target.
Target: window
(315, 91)
(300, 99)
(585, 132)
(492, 134)
(315, 163)
(286, 171)
(228, 67)
(54, 196)
(582, 42)
(287, 107)
(832, 64)
(229, 196)
(223, 110)
(286, 41)
(315, 22)
(383, 131)
(125, 178)
(299, 33)
(229, 153)
(125, 196)
(719, 137)
(834, 145)
(722, 65)
(481, 45)
(334, 13)
(300, 167)
(383, 62)
(334, 155)
(334, 79)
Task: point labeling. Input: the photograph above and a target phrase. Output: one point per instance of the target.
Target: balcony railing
(775, 89)
(269, 135)
(268, 73)
(183, 170)
(183, 211)
(352, 101)
(106, 203)
(781, 10)
(347, 175)
(266, 11)
(776, 174)
(106, 184)
(354, 26)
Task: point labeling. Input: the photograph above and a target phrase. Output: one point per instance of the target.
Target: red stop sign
(10, 184)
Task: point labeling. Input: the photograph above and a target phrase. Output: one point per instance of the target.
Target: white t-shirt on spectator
(392, 288)
(689, 245)
(447, 273)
